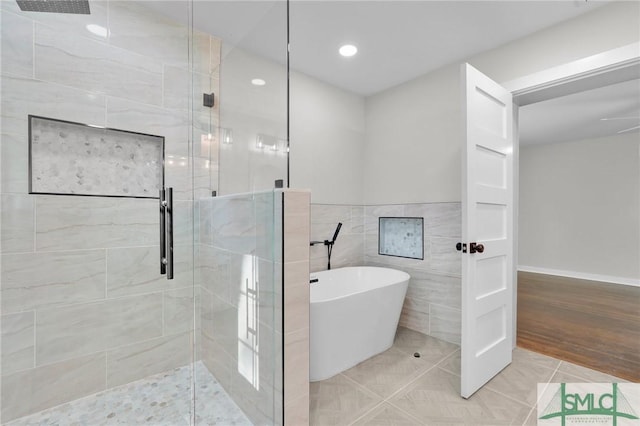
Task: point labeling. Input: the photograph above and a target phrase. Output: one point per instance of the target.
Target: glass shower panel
(242, 142)
(91, 331)
(241, 281)
(248, 147)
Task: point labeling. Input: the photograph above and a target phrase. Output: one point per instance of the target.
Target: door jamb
(610, 67)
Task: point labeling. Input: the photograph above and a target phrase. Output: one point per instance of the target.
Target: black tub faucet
(329, 244)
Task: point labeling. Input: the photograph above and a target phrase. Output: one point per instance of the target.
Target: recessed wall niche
(67, 158)
(401, 237)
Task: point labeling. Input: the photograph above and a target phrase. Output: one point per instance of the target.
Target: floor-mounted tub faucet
(329, 244)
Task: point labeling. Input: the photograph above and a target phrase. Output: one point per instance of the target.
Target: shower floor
(161, 399)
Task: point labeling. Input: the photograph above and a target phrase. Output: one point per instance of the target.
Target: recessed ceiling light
(258, 82)
(98, 30)
(348, 50)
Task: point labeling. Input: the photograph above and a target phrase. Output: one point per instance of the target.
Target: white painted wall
(412, 149)
(413, 145)
(327, 141)
(579, 206)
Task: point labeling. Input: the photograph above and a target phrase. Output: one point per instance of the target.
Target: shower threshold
(161, 399)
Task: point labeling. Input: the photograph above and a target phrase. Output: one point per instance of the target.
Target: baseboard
(581, 275)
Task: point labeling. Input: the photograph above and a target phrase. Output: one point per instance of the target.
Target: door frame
(609, 67)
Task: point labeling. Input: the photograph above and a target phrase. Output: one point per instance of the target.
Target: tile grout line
(514, 399)
(405, 412)
(388, 398)
(533, 409)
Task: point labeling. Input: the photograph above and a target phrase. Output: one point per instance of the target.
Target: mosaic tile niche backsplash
(433, 300)
(73, 158)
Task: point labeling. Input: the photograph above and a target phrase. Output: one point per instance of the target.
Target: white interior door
(487, 230)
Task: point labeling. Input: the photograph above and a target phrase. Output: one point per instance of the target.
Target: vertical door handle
(163, 233)
(169, 230)
(166, 232)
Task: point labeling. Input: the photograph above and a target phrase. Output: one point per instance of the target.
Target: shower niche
(401, 237)
(68, 158)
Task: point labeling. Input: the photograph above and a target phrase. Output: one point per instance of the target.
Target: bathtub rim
(401, 278)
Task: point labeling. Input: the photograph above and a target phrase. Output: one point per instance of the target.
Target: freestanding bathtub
(354, 316)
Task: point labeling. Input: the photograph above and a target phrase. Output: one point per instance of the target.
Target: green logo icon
(566, 404)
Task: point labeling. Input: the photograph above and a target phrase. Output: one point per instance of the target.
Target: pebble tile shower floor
(162, 399)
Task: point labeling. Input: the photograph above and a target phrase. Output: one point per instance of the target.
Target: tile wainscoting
(432, 304)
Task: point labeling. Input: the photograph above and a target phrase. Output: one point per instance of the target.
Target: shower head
(79, 7)
(335, 234)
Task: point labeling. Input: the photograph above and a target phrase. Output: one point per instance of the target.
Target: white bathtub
(354, 316)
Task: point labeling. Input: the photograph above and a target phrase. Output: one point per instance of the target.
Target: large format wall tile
(434, 288)
(445, 323)
(37, 280)
(215, 271)
(84, 222)
(136, 270)
(325, 218)
(143, 118)
(17, 50)
(91, 327)
(15, 160)
(95, 66)
(178, 306)
(372, 213)
(415, 315)
(161, 38)
(233, 224)
(140, 360)
(17, 342)
(445, 259)
(17, 233)
(440, 219)
(54, 101)
(33, 390)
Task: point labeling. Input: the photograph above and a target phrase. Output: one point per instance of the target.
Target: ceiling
(590, 114)
(397, 40)
(400, 40)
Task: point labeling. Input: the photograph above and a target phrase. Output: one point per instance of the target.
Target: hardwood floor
(593, 324)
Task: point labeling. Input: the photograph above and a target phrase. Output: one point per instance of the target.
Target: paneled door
(487, 230)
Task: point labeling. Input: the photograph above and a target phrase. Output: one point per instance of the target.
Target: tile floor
(161, 400)
(395, 388)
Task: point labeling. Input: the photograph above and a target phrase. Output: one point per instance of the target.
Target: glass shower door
(91, 331)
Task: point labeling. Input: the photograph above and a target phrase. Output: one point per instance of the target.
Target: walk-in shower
(102, 109)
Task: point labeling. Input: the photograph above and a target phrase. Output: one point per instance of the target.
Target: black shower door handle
(166, 232)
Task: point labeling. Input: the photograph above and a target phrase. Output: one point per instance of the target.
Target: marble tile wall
(433, 300)
(348, 249)
(432, 304)
(84, 307)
